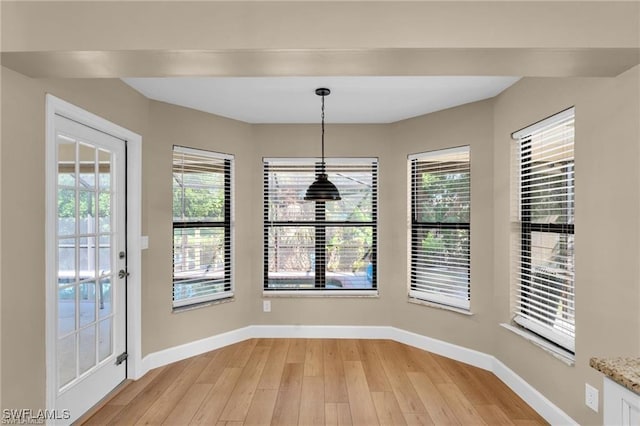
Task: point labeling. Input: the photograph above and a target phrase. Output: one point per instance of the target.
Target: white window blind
(544, 292)
(320, 245)
(440, 229)
(202, 217)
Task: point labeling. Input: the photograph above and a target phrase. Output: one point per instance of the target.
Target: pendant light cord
(322, 133)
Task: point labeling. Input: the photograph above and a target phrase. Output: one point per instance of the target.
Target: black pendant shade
(322, 189)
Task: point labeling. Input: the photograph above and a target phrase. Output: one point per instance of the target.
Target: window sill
(373, 294)
(558, 353)
(195, 306)
(461, 311)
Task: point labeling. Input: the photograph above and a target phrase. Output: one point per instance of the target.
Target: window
(544, 287)
(202, 237)
(315, 246)
(440, 202)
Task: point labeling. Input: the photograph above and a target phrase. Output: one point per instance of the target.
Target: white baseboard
(549, 411)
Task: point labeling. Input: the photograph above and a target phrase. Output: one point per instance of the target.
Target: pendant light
(322, 189)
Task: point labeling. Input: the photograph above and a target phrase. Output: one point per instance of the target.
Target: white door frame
(55, 106)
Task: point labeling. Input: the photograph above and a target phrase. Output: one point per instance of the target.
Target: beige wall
(171, 125)
(607, 150)
(467, 125)
(23, 216)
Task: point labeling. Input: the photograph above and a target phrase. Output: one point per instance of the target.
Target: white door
(90, 281)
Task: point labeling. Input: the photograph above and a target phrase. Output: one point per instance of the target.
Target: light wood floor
(317, 382)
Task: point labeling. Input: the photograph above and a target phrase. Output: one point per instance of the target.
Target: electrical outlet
(266, 306)
(591, 397)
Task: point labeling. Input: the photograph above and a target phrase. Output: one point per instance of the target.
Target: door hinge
(121, 358)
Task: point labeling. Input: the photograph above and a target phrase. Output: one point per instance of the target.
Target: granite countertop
(623, 370)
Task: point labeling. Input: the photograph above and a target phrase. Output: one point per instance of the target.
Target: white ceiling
(293, 99)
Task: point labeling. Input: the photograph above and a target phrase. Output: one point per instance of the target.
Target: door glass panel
(104, 169)
(104, 255)
(66, 360)
(66, 161)
(87, 303)
(87, 348)
(104, 212)
(66, 309)
(104, 344)
(66, 211)
(87, 166)
(86, 201)
(105, 297)
(66, 261)
(87, 257)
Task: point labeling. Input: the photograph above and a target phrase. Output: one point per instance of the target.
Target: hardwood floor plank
(348, 350)
(104, 415)
(217, 398)
(493, 415)
(418, 419)
(363, 411)
(272, 372)
(312, 401)
(297, 351)
(240, 399)
(288, 403)
(133, 411)
(315, 382)
(187, 407)
(162, 406)
(261, 408)
(506, 399)
(438, 410)
(335, 387)
(133, 389)
(212, 372)
(402, 388)
(242, 353)
(428, 365)
(313, 358)
(462, 408)
(387, 408)
(376, 377)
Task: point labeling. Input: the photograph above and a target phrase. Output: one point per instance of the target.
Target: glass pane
(198, 252)
(104, 298)
(104, 344)
(104, 255)
(66, 211)
(66, 360)
(286, 194)
(87, 256)
(356, 189)
(198, 193)
(66, 260)
(87, 212)
(87, 303)
(104, 211)
(291, 257)
(349, 262)
(442, 191)
(87, 339)
(66, 310)
(549, 279)
(87, 177)
(66, 161)
(104, 170)
(440, 261)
